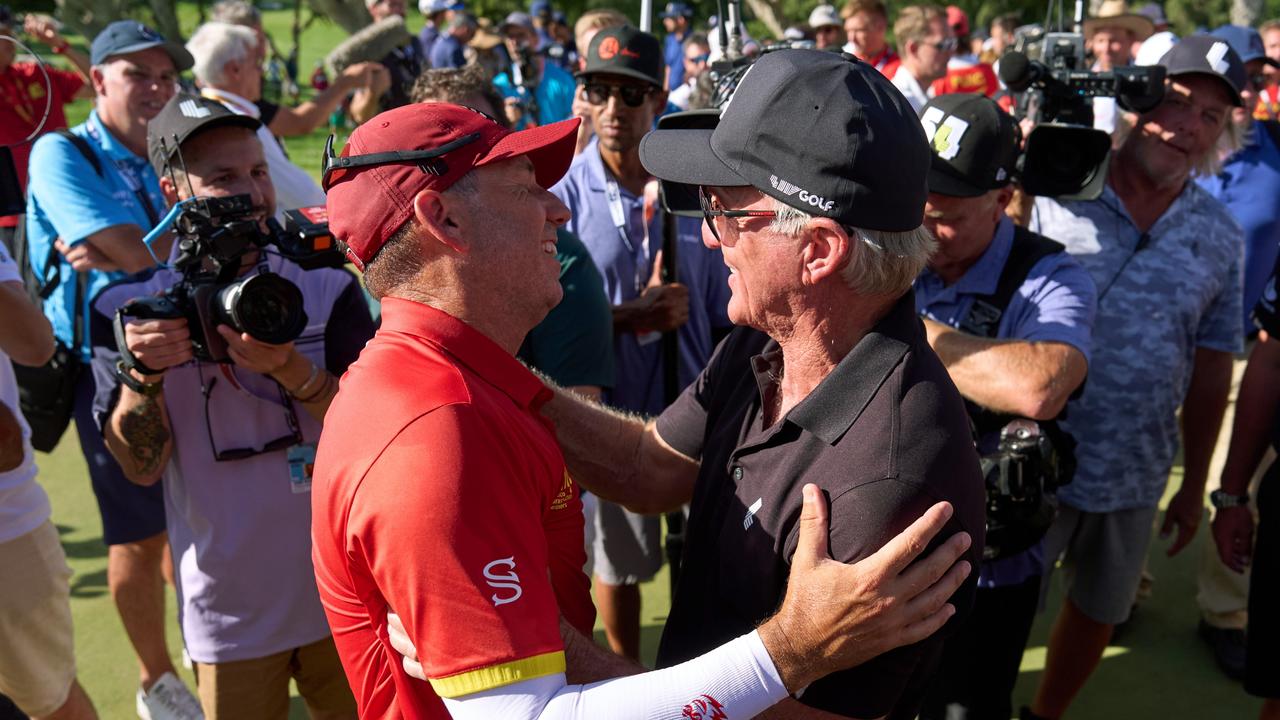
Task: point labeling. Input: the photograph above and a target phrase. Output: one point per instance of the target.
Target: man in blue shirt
(675, 18)
(1020, 364)
(95, 218)
(536, 92)
(438, 13)
(448, 50)
(614, 211)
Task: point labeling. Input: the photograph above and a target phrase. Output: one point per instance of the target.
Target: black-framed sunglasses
(281, 443)
(429, 161)
(632, 95)
(711, 210)
(950, 44)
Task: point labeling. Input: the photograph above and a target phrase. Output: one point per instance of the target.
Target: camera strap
(1028, 248)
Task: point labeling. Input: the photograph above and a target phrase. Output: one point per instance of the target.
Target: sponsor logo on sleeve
(507, 581)
(704, 707)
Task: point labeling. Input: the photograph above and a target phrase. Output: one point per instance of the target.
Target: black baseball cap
(127, 36)
(624, 50)
(973, 144)
(1207, 55)
(183, 117)
(822, 132)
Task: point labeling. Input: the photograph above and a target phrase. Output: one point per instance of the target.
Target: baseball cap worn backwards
(819, 131)
(183, 117)
(369, 202)
(625, 51)
(128, 36)
(1207, 55)
(974, 144)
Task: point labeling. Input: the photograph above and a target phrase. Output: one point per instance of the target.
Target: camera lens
(266, 306)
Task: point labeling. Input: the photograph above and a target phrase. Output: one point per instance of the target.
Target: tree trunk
(166, 15)
(1246, 12)
(768, 12)
(350, 15)
(89, 17)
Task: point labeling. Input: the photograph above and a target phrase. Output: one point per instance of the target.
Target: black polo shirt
(885, 435)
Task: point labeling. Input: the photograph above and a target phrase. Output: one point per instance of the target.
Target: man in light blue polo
(1010, 314)
(88, 207)
(675, 18)
(615, 213)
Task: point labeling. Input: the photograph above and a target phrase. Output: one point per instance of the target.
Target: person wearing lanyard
(95, 217)
(232, 444)
(614, 208)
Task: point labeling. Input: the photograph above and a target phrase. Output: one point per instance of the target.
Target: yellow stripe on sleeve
(487, 678)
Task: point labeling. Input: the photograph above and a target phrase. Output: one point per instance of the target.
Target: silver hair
(214, 45)
(881, 262)
(236, 12)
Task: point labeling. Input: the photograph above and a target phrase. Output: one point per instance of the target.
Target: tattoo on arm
(142, 428)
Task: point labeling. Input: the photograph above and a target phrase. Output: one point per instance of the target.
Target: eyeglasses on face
(632, 95)
(712, 209)
(428, 160)
(947, 45)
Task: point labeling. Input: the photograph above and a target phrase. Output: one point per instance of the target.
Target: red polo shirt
(23, 97)
(967, 75)
(440, 491)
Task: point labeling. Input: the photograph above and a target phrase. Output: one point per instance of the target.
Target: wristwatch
(1222, 499)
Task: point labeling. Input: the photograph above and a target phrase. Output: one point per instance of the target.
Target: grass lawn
(1160, 669)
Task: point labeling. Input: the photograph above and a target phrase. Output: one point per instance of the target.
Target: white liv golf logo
(503, 581)
(805, 196)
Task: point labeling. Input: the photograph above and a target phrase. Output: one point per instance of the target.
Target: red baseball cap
(958, 20)
(367, 205)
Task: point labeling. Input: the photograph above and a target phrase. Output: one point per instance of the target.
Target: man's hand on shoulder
(836, 616)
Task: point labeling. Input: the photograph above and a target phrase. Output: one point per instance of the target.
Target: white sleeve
(736, 680)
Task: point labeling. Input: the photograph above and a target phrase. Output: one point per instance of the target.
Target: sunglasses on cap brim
(429, 161)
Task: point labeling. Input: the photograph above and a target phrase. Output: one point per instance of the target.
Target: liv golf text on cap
(820, 131)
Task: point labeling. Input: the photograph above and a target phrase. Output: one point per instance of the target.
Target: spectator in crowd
(23, 93)
(588, 24)
(227, 70)
(455, 307)
(826, 26)
(865, 24)
(1269, 95)
(965, 72)
(405, 62)
(37, 657)
(927, 45)
(230, 443)
(561, 51)
(363, 82)
(697, 51)
(1241, 546)
(92, 202)
(1010, 315)
(1249, 186)
(1154, 239)
(438, 14)
(540, 13)
(618, 220)
(1004, 29)
(534, 91)
(677, 20)
(448, 51)
(1112, 32)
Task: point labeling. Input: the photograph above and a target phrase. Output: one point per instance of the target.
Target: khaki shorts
(259, 688)
(37, 652)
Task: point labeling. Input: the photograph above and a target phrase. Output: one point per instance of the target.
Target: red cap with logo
(368, 203)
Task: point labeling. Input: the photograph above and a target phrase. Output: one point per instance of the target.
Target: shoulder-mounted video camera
(215, 237)
(1048, 72)
(1022, 474)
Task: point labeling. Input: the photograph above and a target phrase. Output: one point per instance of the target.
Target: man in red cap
(965, 72)
(440, 491)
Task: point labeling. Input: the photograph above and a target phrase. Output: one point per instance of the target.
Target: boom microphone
(371, 43)
(1018, 72)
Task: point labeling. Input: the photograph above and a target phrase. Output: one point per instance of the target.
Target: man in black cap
(88, 208)
(1010, 314)
(1166, 258)
(622, 228)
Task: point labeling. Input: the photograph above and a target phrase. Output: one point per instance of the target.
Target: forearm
(123, 247)
(619, 457)
(1202, 412)
(1254, 417)
(138, 435)
(364, 105)
(311, 114)
(1030, 379)
(79, 61)
(587, 662)
(311, 385)
(631, 316)
(25, 335)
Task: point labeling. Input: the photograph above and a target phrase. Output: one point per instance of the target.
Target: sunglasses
(711, 210)
(945, 45)
(632, 95)
(281, 443)
(429, 161)
(699, 58)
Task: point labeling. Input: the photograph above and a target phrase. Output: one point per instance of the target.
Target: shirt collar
(237, 104)
(108, 142)
(832, 408)
(466, 345)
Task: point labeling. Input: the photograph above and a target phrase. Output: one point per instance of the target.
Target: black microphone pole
(671, 389)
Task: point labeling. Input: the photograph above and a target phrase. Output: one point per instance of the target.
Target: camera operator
(927, 44)
(1165, 256)
(1010, 314)
(403, 63)
(233, 441)
(534, 91)
(92, 201)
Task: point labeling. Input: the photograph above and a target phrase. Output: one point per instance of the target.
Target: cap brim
(182, 59)
(1141, 27)
(1270, 61)
(685, 156)
(548, 147)
(622, 71)
(1232, 90)
(945, 183)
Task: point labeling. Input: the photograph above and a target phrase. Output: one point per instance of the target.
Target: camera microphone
(1018, 72)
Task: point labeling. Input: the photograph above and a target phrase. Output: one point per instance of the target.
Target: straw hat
(1115, 13)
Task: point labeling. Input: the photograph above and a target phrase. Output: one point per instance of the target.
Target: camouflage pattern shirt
(1161, 295)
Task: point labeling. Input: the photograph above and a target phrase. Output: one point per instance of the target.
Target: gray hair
(400, 258)
(236, 12)
(214, 45)
(881, 262)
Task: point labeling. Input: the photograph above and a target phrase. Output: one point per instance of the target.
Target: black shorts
(1262, 648)
(129, 512)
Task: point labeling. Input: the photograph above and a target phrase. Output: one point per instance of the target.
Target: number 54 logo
(503, 580)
